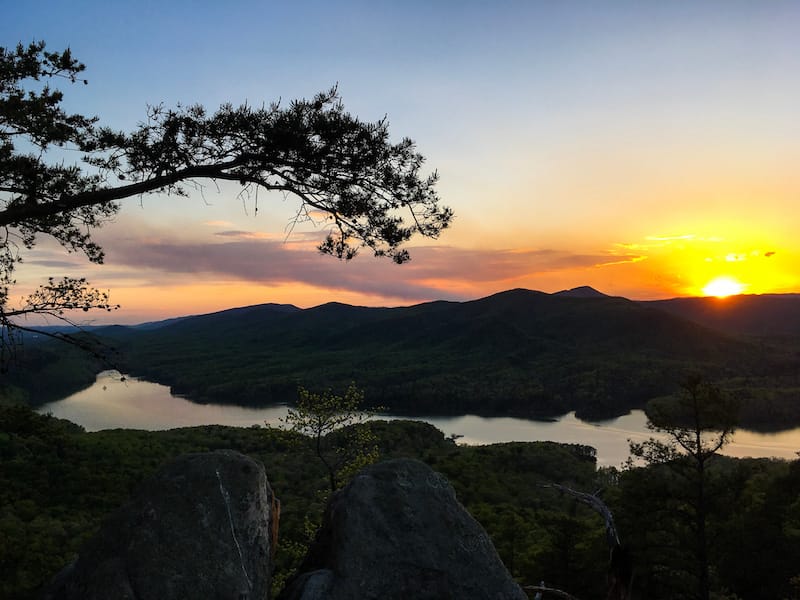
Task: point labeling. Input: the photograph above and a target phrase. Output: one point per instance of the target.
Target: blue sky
(633, 146)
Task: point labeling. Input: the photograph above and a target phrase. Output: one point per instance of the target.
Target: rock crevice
(201, 527)
(204, 527)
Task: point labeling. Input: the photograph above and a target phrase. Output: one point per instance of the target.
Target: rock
(201, 527)
(397, 531)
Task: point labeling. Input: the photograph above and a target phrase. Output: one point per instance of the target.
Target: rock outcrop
(201, 527)
(397, 531)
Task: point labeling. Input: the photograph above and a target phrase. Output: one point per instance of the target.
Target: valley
(518, 353)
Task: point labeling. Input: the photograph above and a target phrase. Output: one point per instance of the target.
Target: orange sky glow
(644, 149)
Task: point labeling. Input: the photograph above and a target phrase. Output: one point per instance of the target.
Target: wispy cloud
(245, 235)
(622, 261)
(53, 263)
(293, 238)
(434, 271)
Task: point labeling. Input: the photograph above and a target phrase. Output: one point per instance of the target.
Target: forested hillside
(520, 353)
(57, 483)
(767, 315)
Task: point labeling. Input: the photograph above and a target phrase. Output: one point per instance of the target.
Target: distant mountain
(583, 291)
(519, 352)
(158, 324)
(756, 315)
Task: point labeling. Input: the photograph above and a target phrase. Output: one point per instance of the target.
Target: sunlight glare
(721, 287)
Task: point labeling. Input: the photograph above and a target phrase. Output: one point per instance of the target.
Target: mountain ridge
(518, 353)
(706, 310)
(583, 291)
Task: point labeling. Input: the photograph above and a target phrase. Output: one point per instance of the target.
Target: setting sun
(722, 287)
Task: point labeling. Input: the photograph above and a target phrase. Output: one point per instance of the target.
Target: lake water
(113, 402)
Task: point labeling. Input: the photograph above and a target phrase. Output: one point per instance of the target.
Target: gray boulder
(397, 531)
(201, 527)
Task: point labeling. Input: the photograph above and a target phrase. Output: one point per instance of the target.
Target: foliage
(58, 483)
(369, 191)
(44, 371)
(33, 127)
(698, 424)
(519, 353)
(54, 299)
(753, 550)
(539, 536)
(334, 426)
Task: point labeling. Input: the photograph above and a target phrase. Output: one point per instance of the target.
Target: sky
(646, 148)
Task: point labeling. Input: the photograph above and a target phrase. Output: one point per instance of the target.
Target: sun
(722, 287)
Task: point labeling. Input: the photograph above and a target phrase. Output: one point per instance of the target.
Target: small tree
(336, 429)
(698, 424)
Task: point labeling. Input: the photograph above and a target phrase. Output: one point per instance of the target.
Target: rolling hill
(767, 315)
(520, 352)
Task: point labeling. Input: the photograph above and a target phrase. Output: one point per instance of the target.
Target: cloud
(141, 255)
(295, 237)
(622, 261)
(245, 235)
(260, 261)
(434, 271)
(53, 264)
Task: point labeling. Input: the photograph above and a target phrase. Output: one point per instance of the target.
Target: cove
(115, 402)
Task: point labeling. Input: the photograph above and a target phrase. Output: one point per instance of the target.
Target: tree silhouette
(698, 424)
(323, 417)
(346, 174)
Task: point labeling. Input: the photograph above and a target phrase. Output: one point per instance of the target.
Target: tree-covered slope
(58, 483)
(756, 315)
(518, 352)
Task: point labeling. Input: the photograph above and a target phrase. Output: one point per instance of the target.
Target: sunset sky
(643, 148)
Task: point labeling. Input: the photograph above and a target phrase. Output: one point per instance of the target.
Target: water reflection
(115, 402)
(135, 404)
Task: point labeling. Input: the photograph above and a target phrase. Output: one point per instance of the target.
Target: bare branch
(594, 502)
(543, 589)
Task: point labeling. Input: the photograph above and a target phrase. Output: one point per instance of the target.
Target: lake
(116, 402)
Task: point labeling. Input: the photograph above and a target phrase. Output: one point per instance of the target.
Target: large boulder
(201, 527)
(397, 531)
